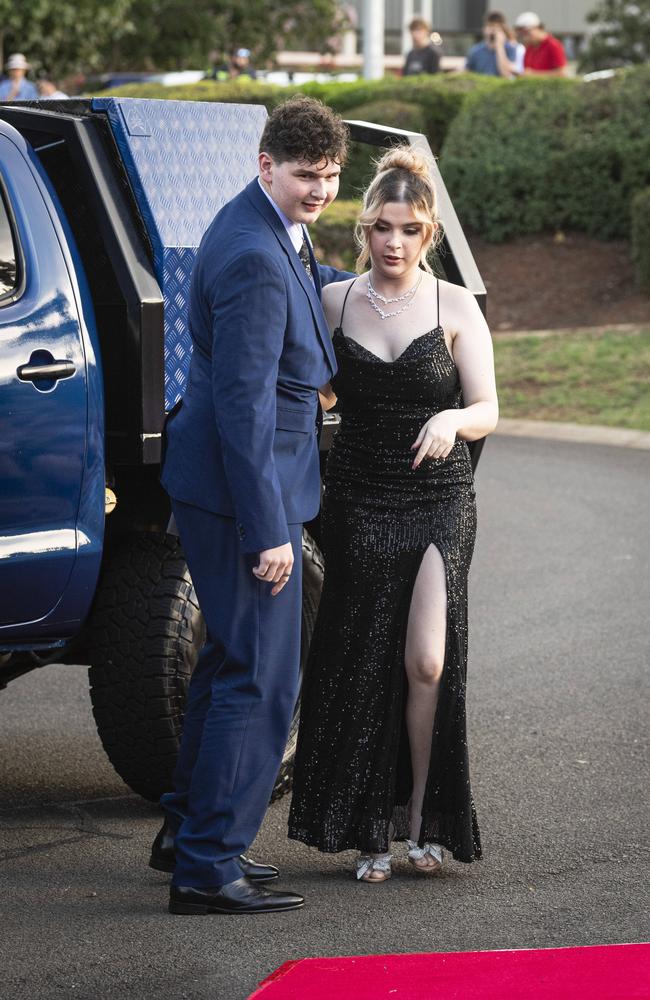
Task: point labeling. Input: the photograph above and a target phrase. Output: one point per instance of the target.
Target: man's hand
(275, 566)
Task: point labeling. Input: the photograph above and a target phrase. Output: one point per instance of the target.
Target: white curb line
(581, 433)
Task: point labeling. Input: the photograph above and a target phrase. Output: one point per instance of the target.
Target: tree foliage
(68, 36)
(547, 154)
(172, 33)
(65, 36)
(621, 35)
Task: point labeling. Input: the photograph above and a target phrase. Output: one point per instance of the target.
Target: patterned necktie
(303, 253)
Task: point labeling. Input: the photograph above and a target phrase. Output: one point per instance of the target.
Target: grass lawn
(583, 378)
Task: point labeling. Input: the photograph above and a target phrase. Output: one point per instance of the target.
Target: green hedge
(333, 235)
(546, 154)
(425, 104)
(438, 98)
(537, 154)
(233, 92)
(641, 238)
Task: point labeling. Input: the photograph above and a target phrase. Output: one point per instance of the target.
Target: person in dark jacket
(423, 57)
(242, 469)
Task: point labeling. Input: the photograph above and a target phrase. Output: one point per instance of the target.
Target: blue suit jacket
(243, 442)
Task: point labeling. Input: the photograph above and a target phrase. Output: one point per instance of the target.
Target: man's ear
(265, 163)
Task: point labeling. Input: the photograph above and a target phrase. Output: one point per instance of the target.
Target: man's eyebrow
(335, 169)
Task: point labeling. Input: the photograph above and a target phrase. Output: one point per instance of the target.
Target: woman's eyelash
(384, 229)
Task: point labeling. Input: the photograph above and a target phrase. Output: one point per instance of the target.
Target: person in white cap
(544, 53)
(15, 87)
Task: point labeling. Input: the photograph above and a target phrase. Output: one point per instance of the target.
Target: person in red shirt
(544, 53)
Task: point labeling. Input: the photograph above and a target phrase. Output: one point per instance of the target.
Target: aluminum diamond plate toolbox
(184, 160)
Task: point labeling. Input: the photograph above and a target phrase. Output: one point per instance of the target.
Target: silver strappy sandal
(366, 865)
(417, 853)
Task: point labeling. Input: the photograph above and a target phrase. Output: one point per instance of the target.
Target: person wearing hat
(544, 53)
(15, 87)
(238, 65)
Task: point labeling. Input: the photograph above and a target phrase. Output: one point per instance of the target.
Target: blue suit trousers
(240, 702)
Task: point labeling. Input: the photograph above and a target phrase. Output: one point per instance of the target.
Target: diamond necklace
(398, 298)
(370, 292)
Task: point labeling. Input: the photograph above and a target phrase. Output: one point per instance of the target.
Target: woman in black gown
(382, 752)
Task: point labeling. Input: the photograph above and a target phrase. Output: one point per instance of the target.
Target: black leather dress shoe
(163, 858)
(241, 896)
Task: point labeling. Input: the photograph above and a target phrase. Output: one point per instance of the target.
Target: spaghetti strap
(340, 326)
(438, 299)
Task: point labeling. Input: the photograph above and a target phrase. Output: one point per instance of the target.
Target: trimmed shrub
(333, 234)
(232, 92)
(439, 97)
(544, 154)
(640, 230)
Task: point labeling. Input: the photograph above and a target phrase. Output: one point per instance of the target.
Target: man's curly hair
(303, 128)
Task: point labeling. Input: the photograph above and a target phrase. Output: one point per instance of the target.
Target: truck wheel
(145, 634)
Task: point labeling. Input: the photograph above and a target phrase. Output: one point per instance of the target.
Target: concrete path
(558, 695)
(549, 430)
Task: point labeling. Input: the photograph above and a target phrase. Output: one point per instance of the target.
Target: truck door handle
(49, 370)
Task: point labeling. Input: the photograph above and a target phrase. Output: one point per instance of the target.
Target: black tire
(145, 635)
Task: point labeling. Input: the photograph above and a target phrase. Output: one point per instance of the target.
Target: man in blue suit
(242, 471)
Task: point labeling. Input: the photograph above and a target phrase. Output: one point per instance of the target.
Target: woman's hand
(275, 566)
(437, 437)
(326, 396)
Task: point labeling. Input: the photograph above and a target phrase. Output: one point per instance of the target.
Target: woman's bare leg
(424, 662)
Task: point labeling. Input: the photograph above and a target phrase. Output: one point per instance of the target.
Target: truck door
(43, 397)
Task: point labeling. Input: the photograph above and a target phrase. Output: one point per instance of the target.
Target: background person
(496, 55)
(544, 53)
(49, 91)
(16, 87)
(238, 65)
(423, 57)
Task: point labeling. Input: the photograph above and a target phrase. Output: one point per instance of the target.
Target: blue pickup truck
(102, 205)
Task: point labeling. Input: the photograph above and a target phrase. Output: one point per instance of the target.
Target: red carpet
(602, 972)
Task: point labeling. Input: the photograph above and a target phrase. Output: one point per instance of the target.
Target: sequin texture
(352, 773)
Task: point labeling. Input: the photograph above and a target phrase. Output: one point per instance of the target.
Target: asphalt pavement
(557, 697)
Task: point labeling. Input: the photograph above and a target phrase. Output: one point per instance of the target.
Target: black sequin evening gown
(352, 771)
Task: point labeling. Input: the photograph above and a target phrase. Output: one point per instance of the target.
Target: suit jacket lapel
(271, 217)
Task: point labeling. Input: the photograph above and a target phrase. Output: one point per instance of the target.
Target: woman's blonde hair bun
(404, 158)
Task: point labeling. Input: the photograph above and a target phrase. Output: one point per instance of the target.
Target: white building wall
(448, 15)
(561, 17)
